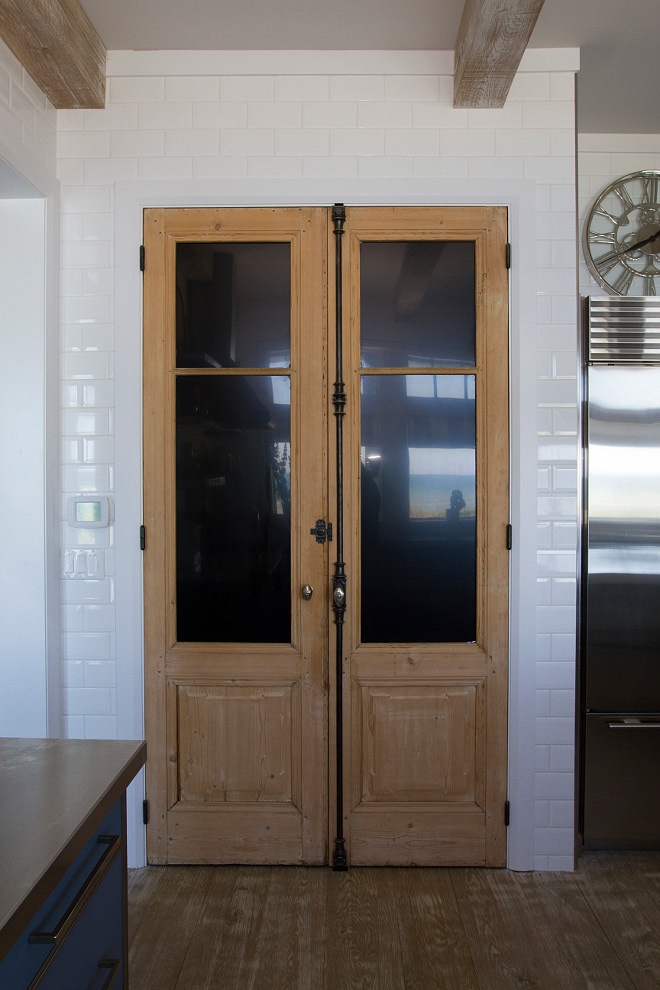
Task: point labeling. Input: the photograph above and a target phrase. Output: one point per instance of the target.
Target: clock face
(622, 235)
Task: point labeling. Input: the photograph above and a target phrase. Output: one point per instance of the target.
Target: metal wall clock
(622, 235)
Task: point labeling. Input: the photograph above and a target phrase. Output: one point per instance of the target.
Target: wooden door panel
(421, 742)
(237, 743)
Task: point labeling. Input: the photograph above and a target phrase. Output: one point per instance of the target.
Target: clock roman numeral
(624, 196)
(597, 238)
(602, 212)
(607, 262)
(651, 189)
(624, 281)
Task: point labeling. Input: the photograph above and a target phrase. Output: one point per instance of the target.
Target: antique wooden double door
(267, 544)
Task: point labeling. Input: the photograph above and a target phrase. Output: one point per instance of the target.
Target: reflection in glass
(418, 483)
(233, 509)
(233, 303)
(417, 304)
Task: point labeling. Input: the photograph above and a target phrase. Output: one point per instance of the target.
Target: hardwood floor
(293, 928)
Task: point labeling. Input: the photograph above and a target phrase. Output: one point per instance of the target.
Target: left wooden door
(234, 421)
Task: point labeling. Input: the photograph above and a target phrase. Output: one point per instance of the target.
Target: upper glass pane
(418, 485)
(233, 305)
(233, 508)
(417, 306)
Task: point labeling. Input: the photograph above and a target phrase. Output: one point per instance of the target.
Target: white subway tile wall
(28, 120)
(348, 126)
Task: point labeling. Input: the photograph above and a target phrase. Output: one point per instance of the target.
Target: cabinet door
(92, 957)
(81, 923)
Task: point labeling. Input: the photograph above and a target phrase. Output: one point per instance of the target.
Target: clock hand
(639, 244)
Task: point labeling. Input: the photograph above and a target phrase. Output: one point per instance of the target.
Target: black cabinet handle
(113, 965)
(80, 901)
(633, 723)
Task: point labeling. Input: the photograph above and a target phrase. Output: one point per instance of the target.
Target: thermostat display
(88, 512)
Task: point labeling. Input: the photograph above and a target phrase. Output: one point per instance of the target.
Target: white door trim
(520, 197)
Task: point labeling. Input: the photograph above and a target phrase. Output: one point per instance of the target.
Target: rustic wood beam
(57, 45)
(492, 38)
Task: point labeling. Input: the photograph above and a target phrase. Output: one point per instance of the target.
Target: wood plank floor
(292, 928)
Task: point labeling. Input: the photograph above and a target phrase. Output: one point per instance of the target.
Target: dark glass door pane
(417, 304)
(418, 509)
(233, 509)
(233, 304)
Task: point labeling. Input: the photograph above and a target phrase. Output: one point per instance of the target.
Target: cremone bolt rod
(339, 861)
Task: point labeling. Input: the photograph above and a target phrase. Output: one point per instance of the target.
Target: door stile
(498, 563)
(331, 502)
(351, 302)
(312, 428)
(154, 562)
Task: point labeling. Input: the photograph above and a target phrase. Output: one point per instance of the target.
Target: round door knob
(307, 592)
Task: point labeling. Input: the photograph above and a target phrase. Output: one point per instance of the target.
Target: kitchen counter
(54, 795)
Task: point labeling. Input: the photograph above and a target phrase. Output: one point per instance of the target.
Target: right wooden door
(425, 315)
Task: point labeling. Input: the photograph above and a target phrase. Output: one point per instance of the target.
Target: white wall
(260, 127)
(29, 440)
(23, 699)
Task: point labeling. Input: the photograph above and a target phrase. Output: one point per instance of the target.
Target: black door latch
(320, 531)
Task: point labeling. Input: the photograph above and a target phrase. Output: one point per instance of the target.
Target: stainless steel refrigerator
(620, 590)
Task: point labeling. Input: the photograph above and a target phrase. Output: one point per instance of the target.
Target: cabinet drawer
(621, 798)
(91, 955)
(82, 917)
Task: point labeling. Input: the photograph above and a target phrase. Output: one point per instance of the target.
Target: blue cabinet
(75, 937)
(80, 925)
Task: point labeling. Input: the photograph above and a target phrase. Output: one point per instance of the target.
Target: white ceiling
(617, 83)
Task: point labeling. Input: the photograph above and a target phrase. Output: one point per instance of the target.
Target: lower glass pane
(233, 509)
(418, 508)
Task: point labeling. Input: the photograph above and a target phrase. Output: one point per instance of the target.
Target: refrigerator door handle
(633, 723)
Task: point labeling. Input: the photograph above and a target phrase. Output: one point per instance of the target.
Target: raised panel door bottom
(237, 743)
(420, 743)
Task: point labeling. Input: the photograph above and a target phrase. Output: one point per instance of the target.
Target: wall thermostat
(88, 511)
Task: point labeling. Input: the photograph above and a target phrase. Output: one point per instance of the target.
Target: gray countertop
(54, 793)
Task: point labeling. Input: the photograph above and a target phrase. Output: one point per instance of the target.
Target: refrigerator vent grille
(624, 331)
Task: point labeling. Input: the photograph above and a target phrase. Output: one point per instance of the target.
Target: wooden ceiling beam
(56, 44)
(492, 38)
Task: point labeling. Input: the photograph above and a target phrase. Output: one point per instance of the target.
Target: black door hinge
(507, 813)
(509, 536)
(143, 538)
(145, 812)
(142, 256)
(320, 531)
(508, 255)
